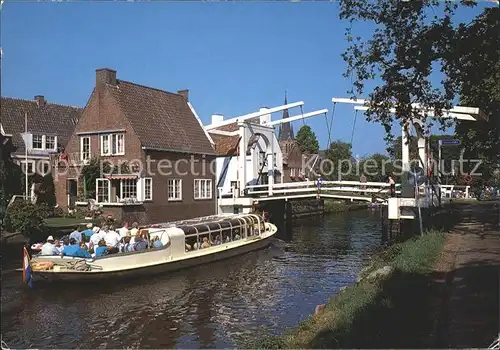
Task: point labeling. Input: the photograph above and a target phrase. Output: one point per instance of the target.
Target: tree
(339, 161)
(476, 71)
(376, 167)
(409, 43)
(307, 141)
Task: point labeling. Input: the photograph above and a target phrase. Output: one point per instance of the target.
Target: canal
(226, 304)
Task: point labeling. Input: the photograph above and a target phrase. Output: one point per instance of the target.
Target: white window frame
(145, 181)
(122, 196)
(24, 166)
(97, 190)
(41, 141)
(204, 189)
(112, 140)
(81, 148)
(44, 142)
(173, 198)
(107, 136)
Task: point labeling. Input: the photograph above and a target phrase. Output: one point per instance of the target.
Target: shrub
(26, 217)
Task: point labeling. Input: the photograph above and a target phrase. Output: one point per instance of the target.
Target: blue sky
(233, 57)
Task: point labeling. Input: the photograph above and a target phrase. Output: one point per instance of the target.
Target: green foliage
(307, 141)
(339, 156)
(476, 73)
(46, 191)
(90, 173)
(411, 40)
(25, 217)
(376, 167)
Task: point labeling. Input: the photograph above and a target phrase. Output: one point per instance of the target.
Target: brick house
(49, 127)
(161, 139)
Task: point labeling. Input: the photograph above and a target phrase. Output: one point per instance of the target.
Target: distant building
(49, 126)
(296, 165)
(124, 122)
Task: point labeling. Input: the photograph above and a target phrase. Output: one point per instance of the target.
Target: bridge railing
(325, 187)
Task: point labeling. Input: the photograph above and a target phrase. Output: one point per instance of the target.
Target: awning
(121, 177)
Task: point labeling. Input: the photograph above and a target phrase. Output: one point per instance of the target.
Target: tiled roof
(49, 119)
(162, 120)
(228, 145)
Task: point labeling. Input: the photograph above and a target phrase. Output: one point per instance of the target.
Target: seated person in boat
(206, 243)
(58, 247)
(126, 246)
(156, 243)
(124, 231)
(96, 236)
(88, 231)
(217, 240)
(74, 249)
(112, 239)
(139, 243)
(49, 247)
(101, 248)
(76, 235)
(135, 229)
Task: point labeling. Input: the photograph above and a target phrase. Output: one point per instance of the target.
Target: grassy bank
(332, 206)
(390, 310)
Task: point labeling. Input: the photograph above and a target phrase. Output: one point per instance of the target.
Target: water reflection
(219, 305)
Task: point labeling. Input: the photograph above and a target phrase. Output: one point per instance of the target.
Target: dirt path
(467, 281)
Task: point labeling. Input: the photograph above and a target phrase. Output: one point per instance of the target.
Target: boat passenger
(205, 243)
(76, 235)
(74, 249)
(188, 247)
(88, 232)
(96, 236)
(58, 247)
(123, 231)
(112, 239)
(236, 237)
(49, 247)
(101, 248)
(217, 240)
(157, 243)
(135, 229)
(126, 247)
(139, 243)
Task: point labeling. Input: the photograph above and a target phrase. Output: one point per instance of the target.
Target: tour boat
(232, 235)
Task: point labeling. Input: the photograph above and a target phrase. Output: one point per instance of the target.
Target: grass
(388, 312)
(332, 206)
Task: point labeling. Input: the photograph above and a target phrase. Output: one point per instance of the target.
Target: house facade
(151, 149)
(38, 129)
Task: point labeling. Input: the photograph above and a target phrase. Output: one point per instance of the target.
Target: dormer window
(44, 142)
(37, 142)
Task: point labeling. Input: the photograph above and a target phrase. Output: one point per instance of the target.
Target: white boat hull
(154, 262)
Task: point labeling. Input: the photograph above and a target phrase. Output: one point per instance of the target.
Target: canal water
(222, 305)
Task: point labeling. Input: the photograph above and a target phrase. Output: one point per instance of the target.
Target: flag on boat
(27, 273)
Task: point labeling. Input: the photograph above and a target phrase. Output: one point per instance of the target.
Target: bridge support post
(270, 172)
(242, 160)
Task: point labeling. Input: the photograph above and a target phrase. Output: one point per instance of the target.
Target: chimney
(105, 76)
(217, 118)
(40, 100)
(184, 93)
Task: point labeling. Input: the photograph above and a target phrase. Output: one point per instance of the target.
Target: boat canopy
(219, 223)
